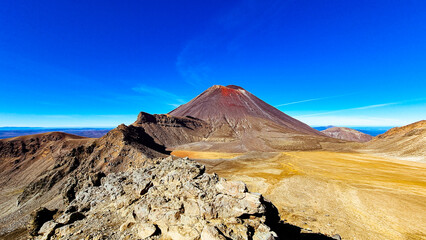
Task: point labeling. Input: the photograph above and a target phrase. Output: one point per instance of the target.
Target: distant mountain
(19, 128)
(236, 107)
(373, 131)
(407, 141)
(9, 132)
(242, 122)
(347, 134)
(323, 127)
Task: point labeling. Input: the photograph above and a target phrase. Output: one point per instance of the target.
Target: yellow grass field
(205, 155)
(356, 195)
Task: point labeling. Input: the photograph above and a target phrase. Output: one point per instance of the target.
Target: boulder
(38, 218)
(172, 199)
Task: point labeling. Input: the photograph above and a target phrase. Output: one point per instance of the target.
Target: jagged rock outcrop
(170, 131)
(171, 199)
(38, 218)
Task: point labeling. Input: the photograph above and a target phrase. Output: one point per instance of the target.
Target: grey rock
(172, 199)
(337, 237)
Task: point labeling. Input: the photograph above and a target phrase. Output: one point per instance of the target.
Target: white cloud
(174, 105)
(313, 99)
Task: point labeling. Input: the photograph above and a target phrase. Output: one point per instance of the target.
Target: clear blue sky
(99, 63)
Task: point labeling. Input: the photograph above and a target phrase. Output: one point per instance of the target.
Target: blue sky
(99, 63)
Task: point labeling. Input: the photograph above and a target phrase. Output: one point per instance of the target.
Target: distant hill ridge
(8, 132)
(410, 129)
(407, 141)
(347, 134)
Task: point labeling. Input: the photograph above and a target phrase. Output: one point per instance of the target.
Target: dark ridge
(138, 136)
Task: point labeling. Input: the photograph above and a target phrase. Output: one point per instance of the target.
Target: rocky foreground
(172, 199)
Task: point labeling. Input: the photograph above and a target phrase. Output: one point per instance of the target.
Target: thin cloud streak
(349, 109)
(376, 106)
(302, 101)
(174, 105)
(365, 107)
(313, 99)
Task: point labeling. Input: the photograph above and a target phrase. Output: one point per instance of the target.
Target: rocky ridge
(36, 167)
(169, 199)
(171, 131)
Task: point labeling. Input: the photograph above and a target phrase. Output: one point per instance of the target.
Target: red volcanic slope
(234, 105)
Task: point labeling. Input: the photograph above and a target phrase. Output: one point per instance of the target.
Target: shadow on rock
(286, 230)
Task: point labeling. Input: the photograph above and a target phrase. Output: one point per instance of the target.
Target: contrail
(302, 101)
(347, 109)
(364, 107)
(313, 99)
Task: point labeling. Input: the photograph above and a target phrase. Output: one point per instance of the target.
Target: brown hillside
(347, 134)
(407, 142)
(22, 161)
(37, 168)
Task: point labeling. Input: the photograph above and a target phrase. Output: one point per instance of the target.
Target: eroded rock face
(173, 199)
(38, 218)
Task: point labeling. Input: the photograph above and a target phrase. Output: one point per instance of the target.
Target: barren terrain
(356, 195)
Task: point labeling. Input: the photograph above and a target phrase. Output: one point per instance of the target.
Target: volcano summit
(246, 123)
(234, 106)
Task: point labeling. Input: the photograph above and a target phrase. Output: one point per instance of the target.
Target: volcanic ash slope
(240, 122)
(406, 142)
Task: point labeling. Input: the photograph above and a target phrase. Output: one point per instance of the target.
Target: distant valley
(9, 132)
(373, 131)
